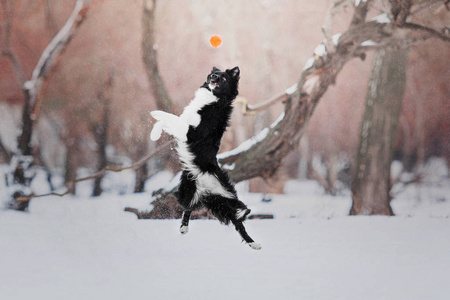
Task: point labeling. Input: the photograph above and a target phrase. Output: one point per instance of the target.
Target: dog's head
(223, 84)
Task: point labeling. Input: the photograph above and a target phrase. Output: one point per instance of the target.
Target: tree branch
(262, 155)
(71, 183)
(149, 52)
(361, 10)
(32, 88)
(249, 109)
(430, 31)
(426, 4)
(52, 51)
(8, 12)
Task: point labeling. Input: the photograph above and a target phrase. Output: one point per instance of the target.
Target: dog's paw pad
(255, 246)
(184, 229)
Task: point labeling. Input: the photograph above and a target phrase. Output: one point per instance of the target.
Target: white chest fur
(202, 97)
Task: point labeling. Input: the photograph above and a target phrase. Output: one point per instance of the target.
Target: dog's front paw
(159, 115)
(255, 246)
(156, 131)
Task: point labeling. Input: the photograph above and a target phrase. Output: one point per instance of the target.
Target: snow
(310, 84)
(292, 89)
(278, 120)
(368, 43)
(63, 34)
(309, 63)
(358, 2)
(382, 18)
(320, 50)
(257, 138)
(88, 248)
(28, 85)
(246, 145)
(335, 38)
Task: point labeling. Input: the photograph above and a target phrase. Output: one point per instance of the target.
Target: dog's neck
(203, 97)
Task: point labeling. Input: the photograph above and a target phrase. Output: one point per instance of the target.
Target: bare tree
(371, 183)
(273, 144)
(6, 154)
(150, 57)
(158, 88)
(262, 155)
(100, 132)
(70, 171)
(32, 88)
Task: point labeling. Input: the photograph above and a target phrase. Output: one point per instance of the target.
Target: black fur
(203, 142)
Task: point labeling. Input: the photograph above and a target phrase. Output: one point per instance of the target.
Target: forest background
(99, 91)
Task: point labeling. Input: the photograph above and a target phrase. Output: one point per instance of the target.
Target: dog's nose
(214, 77)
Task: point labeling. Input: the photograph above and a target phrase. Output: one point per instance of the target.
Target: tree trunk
(263, 154)
(100, 132)
(149, 50)
(142, 172)
(24, 140)
(70, 171)
(5, 152)
(22, 176)
(32, 88)
(158, 88)
(371, 184)
(141, 177)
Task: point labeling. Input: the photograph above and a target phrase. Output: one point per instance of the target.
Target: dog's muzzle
(214, 81)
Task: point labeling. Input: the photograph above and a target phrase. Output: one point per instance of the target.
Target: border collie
(198, 132)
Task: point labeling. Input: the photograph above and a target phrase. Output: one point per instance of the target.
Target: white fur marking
(171, 124)
(207, 183)
(190, 113)
(187, 158)
(241, 213)
(255, 246)
(176, 126)
(184, 229)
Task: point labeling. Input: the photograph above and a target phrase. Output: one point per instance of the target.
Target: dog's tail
(227, 210)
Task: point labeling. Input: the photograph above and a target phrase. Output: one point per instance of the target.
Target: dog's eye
(224, 79)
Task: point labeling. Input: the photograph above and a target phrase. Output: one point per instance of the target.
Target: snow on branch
(71, 183)
(253, 109)
(432, 32)
(52, 51)
(262, 155)
(382, 18)
(252, 141)
(358, 2)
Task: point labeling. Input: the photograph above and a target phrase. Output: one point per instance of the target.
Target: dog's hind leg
(231, 210)
(241, 229)
(185, 221)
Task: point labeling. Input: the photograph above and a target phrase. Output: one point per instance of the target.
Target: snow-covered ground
(85, 248)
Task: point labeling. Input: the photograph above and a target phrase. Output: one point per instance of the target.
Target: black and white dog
(198, 132)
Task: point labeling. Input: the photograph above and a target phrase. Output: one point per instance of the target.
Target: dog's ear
(234, 73)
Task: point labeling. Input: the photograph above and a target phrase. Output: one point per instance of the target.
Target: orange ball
(215, 41)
